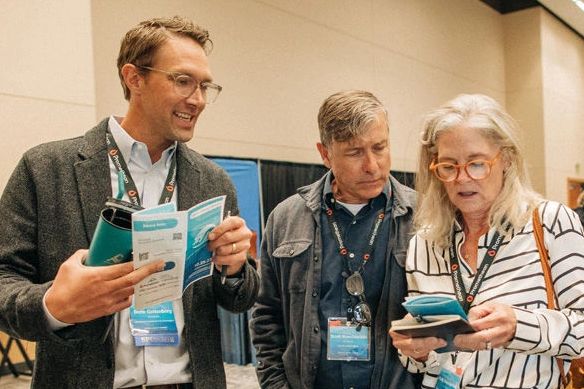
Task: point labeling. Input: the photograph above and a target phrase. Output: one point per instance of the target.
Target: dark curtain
(281, 179)
(406, 178)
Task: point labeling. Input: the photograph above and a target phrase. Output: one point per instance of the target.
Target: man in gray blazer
(51, 205)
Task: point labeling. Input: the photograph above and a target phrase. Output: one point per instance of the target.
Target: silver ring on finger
(233, 248)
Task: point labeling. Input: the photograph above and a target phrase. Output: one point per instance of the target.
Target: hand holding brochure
(180, 239)
(433, 315)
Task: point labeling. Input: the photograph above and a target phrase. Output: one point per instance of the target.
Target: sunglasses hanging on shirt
(361, 312)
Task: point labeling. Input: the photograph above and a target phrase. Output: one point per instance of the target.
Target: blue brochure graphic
(201, 220)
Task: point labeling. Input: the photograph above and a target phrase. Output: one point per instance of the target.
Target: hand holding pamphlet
(433, 315)
(180, 239)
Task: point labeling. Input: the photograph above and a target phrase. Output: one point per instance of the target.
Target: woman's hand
(495, 326)
(417, 348)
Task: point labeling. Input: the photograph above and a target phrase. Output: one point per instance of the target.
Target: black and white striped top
(515, 278)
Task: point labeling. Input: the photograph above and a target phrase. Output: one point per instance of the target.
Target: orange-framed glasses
(477, 169)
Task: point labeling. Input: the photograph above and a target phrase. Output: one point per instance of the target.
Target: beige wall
(524, 82)
(46, 80)
(545, 93)
(563, 95)
(278, 59)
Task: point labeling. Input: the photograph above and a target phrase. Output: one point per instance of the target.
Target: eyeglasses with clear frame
(477, 169)
(185, 85)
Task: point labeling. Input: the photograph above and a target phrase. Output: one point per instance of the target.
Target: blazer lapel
(93, 176)
(189, 194)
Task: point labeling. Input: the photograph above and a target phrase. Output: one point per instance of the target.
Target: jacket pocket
(294, 257)
(400, 255)
(292, 366)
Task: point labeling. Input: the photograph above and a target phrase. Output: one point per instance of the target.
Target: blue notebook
(434, 315)
(432, 305)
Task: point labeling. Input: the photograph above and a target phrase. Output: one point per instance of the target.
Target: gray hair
(435, 214)
(345, 115)
(140, 44)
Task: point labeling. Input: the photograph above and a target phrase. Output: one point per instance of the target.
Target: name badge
(154, 326)
(347, 341)
(449, 378)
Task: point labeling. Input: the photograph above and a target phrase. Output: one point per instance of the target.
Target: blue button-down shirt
(149, 365)
(334, 298)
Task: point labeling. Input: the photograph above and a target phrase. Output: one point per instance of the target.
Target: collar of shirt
(135, 151)
(327, 193)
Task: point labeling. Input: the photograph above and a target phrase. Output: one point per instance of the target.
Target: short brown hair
(347, 114)
(141, 42)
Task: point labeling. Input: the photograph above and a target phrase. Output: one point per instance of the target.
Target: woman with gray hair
(475, 241)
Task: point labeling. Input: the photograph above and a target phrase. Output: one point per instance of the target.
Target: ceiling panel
(565, 10)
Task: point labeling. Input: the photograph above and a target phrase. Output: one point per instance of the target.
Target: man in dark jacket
(332, 261)
(51, 205)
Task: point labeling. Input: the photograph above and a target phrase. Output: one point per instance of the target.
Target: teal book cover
(430, 305)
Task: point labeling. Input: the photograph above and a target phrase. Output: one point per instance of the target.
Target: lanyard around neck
(130, 186)
(466, 298)
(338, 235)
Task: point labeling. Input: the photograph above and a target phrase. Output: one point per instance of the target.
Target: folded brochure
(433, 315)
(180, 239)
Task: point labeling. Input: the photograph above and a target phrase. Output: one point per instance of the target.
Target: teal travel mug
(112, 239)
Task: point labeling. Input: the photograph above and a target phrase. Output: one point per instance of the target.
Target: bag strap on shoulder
(544, 258)
(547, 273)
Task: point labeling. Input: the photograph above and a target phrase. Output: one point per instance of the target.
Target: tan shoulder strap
(547, 274)
(544, 258)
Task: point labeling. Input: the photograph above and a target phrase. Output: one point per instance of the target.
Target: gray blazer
(49, 209)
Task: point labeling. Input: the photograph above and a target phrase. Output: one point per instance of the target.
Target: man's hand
(230, 242)
(82, 293)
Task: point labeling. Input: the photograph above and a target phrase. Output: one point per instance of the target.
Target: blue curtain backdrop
(235, 339)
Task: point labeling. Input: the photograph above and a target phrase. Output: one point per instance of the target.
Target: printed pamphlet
(180, 239)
